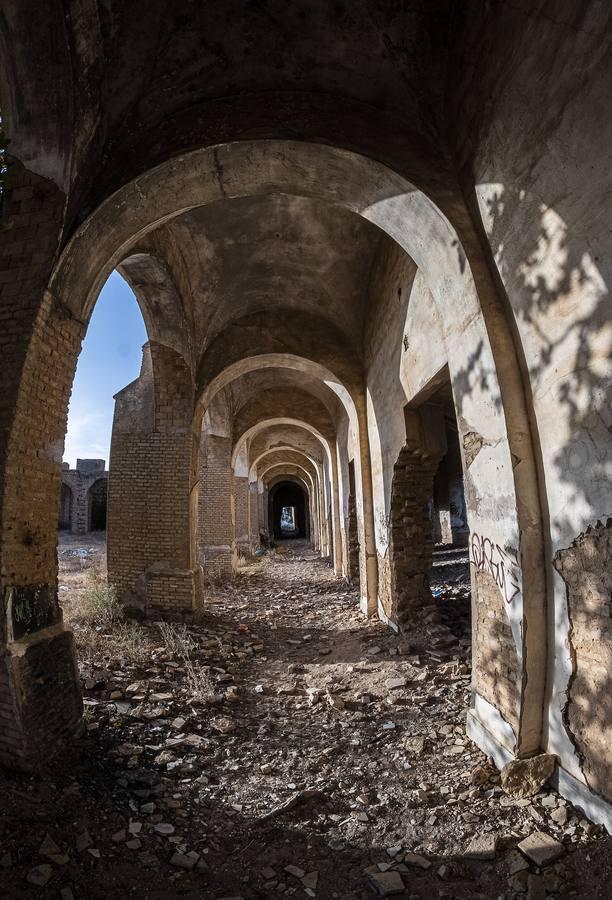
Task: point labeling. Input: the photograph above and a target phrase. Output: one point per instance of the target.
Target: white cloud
(88, 436)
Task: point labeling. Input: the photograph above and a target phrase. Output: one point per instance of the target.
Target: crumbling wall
(496, 666)
(406, 587)
(586, 569)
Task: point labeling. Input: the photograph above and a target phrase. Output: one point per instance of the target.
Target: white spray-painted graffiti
(488, 556)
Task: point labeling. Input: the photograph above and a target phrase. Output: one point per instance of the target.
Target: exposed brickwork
(585, 568)
(150, 506)
(215, 522)
(497, 671)
(82, 484)
(353, 542)
(170, 593)
(241, 512)
(39, 345)
(410, 537)
(254, 525)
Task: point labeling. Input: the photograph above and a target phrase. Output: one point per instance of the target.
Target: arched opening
(449, 576)
(65, 514)
(97, 499)
(428, 531)
(407, 216)
(420, 215)
(289, 512)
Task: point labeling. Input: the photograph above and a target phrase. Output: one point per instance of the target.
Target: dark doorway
(65, 513)
(289, 511)
(353, 529)
(97, 505)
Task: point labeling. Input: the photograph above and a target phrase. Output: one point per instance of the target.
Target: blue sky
(109, 360)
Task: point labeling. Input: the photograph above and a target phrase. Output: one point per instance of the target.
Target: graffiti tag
(488, 556)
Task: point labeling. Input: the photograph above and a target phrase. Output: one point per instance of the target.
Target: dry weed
(177, 641)
(199, 681)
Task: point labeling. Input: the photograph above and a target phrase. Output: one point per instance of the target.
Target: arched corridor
(369, 248)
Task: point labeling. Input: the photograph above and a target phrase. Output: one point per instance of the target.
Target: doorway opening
(288, 522)
(289, 511)
(449, 575)
(98, 493)
(353, 531)
(65, 513)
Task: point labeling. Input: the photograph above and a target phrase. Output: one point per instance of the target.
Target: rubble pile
(282, 746)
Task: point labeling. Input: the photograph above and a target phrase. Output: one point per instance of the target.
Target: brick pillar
(411, 535)
(410, 552)
(254, 526)
(215, 523)
(40, 703)
(241, 513)
(151, 543)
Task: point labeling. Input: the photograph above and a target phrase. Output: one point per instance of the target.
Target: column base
(217, 561)
(40, 697)
(172, 593)
(594, 807)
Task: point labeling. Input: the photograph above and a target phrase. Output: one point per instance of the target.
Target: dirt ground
(280, 745)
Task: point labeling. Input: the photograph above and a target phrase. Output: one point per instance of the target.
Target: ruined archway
(396, 208)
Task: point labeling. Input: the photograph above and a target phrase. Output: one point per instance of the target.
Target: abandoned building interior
(368, 242)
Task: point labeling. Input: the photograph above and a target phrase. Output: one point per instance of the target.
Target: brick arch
(310, 483)
(483, 362)
(326, 475)
(159, 299)
(483, 357)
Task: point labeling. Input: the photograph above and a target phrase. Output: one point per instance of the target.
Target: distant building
(83, 496)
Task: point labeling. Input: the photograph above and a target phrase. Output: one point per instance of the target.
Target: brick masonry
(216, 547)
(404, 571)
(151, 551)
(80, 489)
(39, 343)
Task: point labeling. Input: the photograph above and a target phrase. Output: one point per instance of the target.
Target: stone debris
(387, 883)
(541, 848)
(483, 846)
(40, 875)
(349, 775)
(525, 777)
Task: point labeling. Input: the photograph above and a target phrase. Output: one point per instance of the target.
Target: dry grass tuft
(177, 641)
(199, 681)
